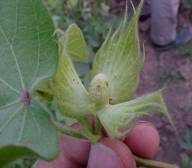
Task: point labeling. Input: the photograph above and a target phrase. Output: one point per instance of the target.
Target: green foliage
(92, 16)
(186, 161)
(187, 3)
(25, 162)
(170, 76)
(55, 6)
(187, 109)
(187, 140)
(185, 52)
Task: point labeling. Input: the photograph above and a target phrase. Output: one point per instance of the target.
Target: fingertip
(122, 151)
(75, 149)
(143, 140)
(102, 156)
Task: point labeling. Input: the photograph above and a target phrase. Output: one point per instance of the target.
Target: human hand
(108, 153)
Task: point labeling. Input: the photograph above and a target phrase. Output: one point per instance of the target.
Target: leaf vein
(14, 57)
(9, 104)
(36, 123)
(22, 125)
(38, 39)
(11, 117)
(9, 86)
(16, 21)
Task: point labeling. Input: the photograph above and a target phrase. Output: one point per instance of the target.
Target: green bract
(120, 60)
(118, 119)
(72, 97)
(75, 45)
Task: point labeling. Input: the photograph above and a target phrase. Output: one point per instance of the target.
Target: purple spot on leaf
(25, 98)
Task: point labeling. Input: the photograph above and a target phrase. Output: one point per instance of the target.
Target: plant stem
(85, 123)
(83, 133)
(88, 132)
(63, 129)
(89, 135)
(152, 163)
(97, 126)
(67, 131)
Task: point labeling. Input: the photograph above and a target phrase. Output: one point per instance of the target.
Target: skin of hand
(143, 141)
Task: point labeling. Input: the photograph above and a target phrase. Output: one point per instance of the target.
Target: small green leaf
(72, 3)
(72, 43)
(72, 97)
(186, 161)
(10, 154)
(105, 8)
(43, 90)
(120, 60)
(187, 140)
(28, 55)
(122, 116)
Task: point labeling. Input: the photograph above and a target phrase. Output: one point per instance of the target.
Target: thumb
(102, 156)
(122, 151)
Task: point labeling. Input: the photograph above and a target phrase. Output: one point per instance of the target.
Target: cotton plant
(38, 80)
(114, 78)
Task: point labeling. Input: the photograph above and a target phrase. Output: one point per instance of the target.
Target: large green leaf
(28, 54)
(120, 60)
(118, 119)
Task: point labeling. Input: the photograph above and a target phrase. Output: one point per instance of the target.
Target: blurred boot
(164, 21)
(164, 32)
(146, 11)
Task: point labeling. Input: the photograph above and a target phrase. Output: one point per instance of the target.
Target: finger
(76, 150)
(121, 150)
(103, 157)
(143, 140)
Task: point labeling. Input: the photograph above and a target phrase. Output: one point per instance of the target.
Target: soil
(174, 72)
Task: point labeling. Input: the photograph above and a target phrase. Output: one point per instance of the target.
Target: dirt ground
(166, 69)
